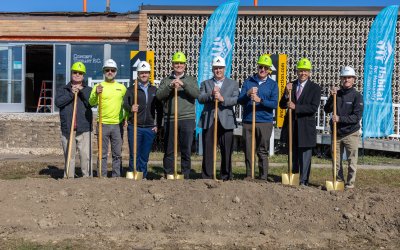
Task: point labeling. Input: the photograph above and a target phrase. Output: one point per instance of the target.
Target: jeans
(145, 138)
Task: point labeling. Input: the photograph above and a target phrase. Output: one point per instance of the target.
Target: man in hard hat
(306, 97)
(188, 91)
(112, 93)
(262, 90)
(226, 91)
(83, 120)
(146, 107)
(349, 109)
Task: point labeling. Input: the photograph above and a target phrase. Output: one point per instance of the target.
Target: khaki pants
(82, 142)
(350, 144)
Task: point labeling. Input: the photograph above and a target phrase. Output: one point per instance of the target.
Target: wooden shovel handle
(100, 136)
(71, 134)
(215, 139)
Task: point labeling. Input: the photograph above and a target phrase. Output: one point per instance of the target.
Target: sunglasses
(108, 70)
(77, 73)
(263, 67)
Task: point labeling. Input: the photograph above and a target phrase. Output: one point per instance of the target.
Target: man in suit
(306, 97)
(226, 91)
(262, 90)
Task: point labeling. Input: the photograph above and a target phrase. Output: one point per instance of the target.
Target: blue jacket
(267, 91)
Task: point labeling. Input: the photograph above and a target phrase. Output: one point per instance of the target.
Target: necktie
(299, 90)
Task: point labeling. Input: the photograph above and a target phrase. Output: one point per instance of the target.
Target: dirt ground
(190, 214)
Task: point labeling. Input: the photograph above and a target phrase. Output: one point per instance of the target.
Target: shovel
(290, 178)
(253, 139)
(175, 176)
(71, 135)
(100, 135)
(135, 175)
(215, 139)
(334, 185)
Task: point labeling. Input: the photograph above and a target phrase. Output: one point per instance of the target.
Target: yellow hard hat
(265, 60)
(304, 63)
(179, 57)
(79, 66)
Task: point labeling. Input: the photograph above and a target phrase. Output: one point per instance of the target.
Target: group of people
(302, 96)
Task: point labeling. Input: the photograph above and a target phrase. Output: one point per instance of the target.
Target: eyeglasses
(179, 63)
(263, 67)
(77, 73)
(108, 70)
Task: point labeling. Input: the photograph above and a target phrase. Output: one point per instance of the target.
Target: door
(62, 62)
(12, 78)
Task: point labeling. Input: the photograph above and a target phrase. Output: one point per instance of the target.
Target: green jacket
(187, 95)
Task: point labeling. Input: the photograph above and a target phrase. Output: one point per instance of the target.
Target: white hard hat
(143, 66)
(110, 63)
(347, 71)
(218, 61)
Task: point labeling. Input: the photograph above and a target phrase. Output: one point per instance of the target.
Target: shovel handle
(215, 139)
(176, 133)
(134, 129)
(290, 136)
(71, 134)
(253, 138)
(100, 136)
(334, 139)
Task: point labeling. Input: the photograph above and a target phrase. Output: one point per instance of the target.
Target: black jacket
(147, 111)
(65, 102)
(304, 124)
(349, 108)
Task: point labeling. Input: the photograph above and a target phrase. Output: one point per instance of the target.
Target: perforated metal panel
(330, 42)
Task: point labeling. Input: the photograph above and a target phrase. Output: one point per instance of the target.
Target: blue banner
(378, 68)
(218, 40)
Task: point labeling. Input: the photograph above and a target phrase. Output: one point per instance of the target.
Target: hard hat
(79, 66)
(304, 63)
(179, 57)
(347, 71)
(110, 63)
(218, 61)
(143, 67)
(265, 60)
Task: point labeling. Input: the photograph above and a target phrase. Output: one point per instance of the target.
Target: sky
(132, 5)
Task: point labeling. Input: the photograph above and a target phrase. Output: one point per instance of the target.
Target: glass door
(12, 79)
(62, 62)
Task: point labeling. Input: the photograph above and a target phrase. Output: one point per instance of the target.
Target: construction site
(39, 209)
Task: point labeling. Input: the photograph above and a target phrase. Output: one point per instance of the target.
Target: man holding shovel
(82, 125)
(349, 111)
(224, 92)
(305, 100)
(112, 95)
(187, 92)
(262, 92)
(146, 108)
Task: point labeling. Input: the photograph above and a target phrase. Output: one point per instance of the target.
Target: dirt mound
(121, 213)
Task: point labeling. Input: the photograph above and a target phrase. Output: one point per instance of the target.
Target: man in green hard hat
(306, 98)
(262, 90)
(83, 122)
(188, 91)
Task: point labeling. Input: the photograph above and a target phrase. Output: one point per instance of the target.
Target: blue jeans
(145, 138)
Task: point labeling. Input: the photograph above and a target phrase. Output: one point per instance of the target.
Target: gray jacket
(226, 114)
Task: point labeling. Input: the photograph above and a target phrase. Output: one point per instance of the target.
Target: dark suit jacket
(226, 114)
(304, 114)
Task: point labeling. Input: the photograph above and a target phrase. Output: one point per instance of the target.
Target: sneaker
(349, 186)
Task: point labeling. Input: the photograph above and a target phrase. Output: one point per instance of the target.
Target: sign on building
(138, 56)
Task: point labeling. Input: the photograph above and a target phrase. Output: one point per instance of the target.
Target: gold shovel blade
(173, 177)
(334, 186)
(138, 176)
(291, 179)
(129, 175)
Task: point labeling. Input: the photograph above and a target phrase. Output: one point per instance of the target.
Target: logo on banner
(221, 47)
(383, 51)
